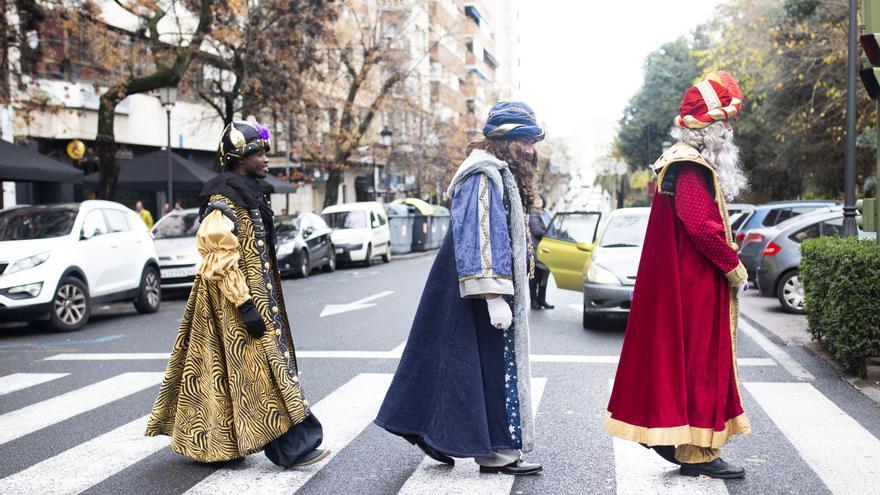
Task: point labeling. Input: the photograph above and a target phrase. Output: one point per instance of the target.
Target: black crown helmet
(241, 139)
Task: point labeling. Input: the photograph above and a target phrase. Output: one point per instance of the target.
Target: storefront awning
(18, 163)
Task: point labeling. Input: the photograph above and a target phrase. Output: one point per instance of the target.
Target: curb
(409, 256)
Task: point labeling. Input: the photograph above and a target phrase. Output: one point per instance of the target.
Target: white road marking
(776, 352)
(21, 422)
(344, 414)
(335, 309)
(639, 471)
(87, 464)
(18, 381)
(842, 452)
(431, 478)
(109, 356)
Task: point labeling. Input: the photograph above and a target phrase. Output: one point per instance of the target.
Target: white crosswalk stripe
(19, 381)
(842, 452)
(431, 478)
(21, 422)
(344, 414)
(86, 464)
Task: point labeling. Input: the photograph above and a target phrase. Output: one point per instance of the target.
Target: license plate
(178, 272)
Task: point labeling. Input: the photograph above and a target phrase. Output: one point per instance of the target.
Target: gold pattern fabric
(218, 247)
(225, 394)
(691, 454)
(678, 435)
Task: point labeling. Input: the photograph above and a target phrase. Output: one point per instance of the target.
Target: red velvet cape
(676, 381)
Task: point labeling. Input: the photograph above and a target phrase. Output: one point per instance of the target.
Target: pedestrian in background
(677, 388)
(232, 388)
(177, 206)
(539, 220)
(166, 208)
(145, 214)
(463, 386)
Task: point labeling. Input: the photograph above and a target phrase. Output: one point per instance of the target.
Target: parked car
(752, 248)
(56, 261)
(770, 214)
(175, 239)
(610, 271)
(566, 246)
(360, 231)
(778, 271)
(302, 244)
(737, 208)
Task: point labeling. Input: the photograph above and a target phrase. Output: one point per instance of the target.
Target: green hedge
(842, 282)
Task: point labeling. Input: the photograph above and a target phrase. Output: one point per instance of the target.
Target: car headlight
(24, 291)
(29, 262)
(598, 275)
(285, 249)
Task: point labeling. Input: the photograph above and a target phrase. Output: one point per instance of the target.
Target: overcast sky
(582, 60)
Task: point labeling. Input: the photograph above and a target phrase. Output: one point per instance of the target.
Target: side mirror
(583, 246)
(308, 231)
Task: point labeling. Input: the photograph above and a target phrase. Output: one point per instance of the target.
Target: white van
(360, 231)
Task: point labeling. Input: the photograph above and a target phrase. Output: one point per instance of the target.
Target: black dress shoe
(667, 452)
(546, 305)
(715, 469)
(536, 305)
(516, 468)
(430, 451)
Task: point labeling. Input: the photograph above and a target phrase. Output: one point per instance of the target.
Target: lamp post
(385, 140)
(849, 184)
(168, 96)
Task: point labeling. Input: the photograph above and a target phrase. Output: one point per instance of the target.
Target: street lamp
(168, 96)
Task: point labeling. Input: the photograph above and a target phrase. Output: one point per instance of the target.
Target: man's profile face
(256, 165)
(524, 150)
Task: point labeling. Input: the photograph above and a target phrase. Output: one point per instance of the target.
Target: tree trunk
(335, 177)
(106, 145)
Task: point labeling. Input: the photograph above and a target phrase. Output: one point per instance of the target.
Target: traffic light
(868, 221)
(870, 41)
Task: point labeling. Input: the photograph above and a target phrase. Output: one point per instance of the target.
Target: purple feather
(262, 130)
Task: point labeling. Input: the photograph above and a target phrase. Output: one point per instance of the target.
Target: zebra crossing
(833, 445)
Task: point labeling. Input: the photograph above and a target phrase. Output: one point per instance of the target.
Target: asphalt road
(73, 406)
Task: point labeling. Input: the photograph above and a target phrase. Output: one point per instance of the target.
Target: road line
(87, 464)
(18, 381)
(842, 452)
(335, 309)
(21, 422)
(431, 478)
(776, 352)
(638, 470)
(109, 356)
(344, 413)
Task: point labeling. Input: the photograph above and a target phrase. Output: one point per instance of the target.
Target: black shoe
(430, 451)
(310, 458)
(546, 305)
(536, 305)
(516, 468)
(667, 452)
(715, 469)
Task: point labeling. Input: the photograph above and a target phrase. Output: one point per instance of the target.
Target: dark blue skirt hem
(427, 440)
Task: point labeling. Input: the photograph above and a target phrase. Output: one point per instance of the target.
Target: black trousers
(296, 442)
(538, 285)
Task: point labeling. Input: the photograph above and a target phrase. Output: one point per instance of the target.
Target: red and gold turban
(716, 98)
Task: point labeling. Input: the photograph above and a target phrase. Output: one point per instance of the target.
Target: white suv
(58, 260)
(360, 231)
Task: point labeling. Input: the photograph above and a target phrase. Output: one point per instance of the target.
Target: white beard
(715, 144)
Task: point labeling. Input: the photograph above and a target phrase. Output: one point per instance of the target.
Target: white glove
(741, 290)
(499, 313)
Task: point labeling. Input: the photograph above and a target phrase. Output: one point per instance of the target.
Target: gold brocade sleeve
(219, 249)
(737, 276)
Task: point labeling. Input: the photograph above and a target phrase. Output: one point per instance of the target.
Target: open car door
(567, 245)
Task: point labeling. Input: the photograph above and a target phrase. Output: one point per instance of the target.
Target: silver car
(777, 272)
(175, 239)
(610, 272)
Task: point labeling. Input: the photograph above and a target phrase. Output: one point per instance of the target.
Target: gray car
(175, 239)
(778, 269)
(610, 273)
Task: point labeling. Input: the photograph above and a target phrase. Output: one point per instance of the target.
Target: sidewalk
(791, 330)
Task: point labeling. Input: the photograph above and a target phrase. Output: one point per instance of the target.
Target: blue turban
(511, 120)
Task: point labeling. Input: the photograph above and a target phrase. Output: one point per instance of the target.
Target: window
(574, 227)
(784, 214)
(94, 225)
(373, 222)
(346, 219)
(833, 227)
(116, 220)
(739, 221)
(625, 231)
(808, 232)
(382, 219)
(19, 224)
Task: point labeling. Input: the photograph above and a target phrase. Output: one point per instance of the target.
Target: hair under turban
(511, 120)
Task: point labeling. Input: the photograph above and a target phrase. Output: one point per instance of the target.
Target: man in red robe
(676, 388)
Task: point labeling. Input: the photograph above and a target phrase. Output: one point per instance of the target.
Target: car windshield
(177, 225)
(23, 224)
(286, 226)
(625, 231)
(574, 227)
(346, 219)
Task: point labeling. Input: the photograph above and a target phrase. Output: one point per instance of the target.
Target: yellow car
(567, 245)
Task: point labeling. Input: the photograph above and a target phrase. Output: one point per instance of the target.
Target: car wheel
(71, 306)
(150, 294)
(368, 261)
(386, 258)
(331, 261)
(304, 267)
(790, 293)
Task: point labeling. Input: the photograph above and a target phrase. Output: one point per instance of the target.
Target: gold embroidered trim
(485, 239)
(678, 435)
(485, 274)
(737, 276)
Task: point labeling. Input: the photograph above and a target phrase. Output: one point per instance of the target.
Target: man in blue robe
(462, 388)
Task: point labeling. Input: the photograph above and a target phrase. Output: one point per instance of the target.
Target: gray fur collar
(478, 162)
